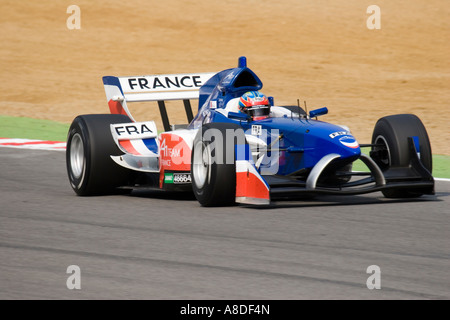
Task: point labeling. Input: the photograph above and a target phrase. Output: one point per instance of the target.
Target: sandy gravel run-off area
(319, 51)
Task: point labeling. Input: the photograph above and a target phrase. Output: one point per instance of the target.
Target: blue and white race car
(240, 147)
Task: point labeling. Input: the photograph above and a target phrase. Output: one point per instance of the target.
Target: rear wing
(160, 88)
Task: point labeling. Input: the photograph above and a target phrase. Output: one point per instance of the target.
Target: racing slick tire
(90, 144)
(391, 135)
(213, 178)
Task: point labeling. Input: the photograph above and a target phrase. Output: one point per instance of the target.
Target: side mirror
(318, 112)
(238, 116)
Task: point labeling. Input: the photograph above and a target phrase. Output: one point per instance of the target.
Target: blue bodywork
(304, 140)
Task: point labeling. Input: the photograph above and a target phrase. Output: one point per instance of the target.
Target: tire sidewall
(204, 192)
(219, 188)
(385, 132)
(80, 184)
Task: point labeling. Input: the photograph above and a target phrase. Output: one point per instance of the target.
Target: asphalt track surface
(165, 246)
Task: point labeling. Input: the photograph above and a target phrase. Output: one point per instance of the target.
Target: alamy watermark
(74, 20)
(374, 281)
(374, 20)
(74, 280)
(256, 144)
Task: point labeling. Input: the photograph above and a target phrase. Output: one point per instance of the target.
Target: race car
(241, 147)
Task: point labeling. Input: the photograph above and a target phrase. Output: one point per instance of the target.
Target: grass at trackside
(441, 165)
(27, 128)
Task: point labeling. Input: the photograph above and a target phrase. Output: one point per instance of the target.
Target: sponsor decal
(132, 129)
(256, 130)
(136, 130)
(181, 178)
(166, 163)
(177, 178)
(158, 83)
(339, 133)
(168, 177)
(175, 153)
(228, 78)
(169, 152)
(349, 141)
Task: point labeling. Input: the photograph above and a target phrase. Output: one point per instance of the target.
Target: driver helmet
(255, 104)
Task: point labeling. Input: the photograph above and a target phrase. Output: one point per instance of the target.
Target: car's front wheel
(390, 137)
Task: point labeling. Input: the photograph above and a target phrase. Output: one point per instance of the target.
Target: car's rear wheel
(90, 144)
(390, 136)
(213, 168)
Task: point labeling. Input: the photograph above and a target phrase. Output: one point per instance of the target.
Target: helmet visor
(258, 111)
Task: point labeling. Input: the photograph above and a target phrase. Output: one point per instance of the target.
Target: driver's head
(255, 104)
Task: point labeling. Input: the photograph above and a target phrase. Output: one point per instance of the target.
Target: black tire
(392, 133)
(90, 144)
(213, 179)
